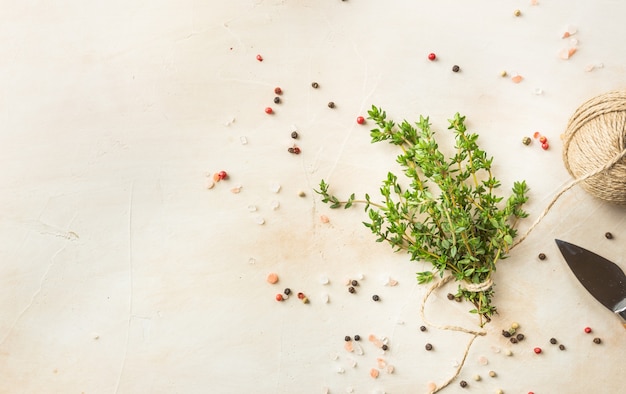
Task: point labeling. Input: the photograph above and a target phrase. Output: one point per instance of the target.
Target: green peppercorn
(526, 140)
(455, 68)
(422, 328)
(347, 338)
(458, 299)
(375, 297)
(428, 347)
(463, 383)
(597, 340)
(357, 338)
(553, 341)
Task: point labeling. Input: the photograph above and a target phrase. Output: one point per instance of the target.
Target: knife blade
(602, 278)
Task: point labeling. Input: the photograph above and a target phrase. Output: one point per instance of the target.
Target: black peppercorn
(513, 340)
(287, 291)
(276, 100)
(331, 104)
(375, 297)
(347, 338)
(463, 383)
(597, 340)
(608, 235)
(384, 347)
(450, 296)
(294, 134)
(456, 68)
(506, 334)
(291, 150)
(422, 328)
(315, 85)
(354, 283)
(542, 256)
(428, 347)
(520, 337)
(553, 341)
(351, 289)
(357, 338)
(562, 347)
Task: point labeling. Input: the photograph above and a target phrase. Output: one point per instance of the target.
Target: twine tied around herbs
(594, 154)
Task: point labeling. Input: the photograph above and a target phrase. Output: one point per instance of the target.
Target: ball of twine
(594, 146)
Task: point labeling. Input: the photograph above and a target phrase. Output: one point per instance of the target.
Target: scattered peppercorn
(287, 291)
(587, 330)
(520, 337)
(517, 13)
(360, 120)
(545, 146)
(513, 340)
(492, 374)
(428, 347)
(422, 328)
(375, 297)
(269, 110)
(294, 134)
(278, 90)
(300, 295)
(384, 347)
(553, 341)
(259, 58)
(290, 150)
(296, 150)
(515, 325)
(608, 235)
(354, 283)
(279, 297)
(543, 139)
(526, 140)
(315, 85)
(276, 100)
(537, 350)
(331, 104)
(222, 175)
(457, 299)
(347, 338)
(432, 56)
(597, 340)
(455, 68)
(463, 383)
(562, 347)
(450, 296)
(351, 290)
(506, 334)
(357, 338)
(542, 256)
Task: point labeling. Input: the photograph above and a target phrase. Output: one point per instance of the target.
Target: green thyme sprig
(449, 214)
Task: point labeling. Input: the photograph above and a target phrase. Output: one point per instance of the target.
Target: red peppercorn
(545, 146)
(278, 90)
(222, 175)
(360, 120)
(587, 330)
(432, 56)
(269, 110)
(536, 134)
(259, 58)
(301, 296)
(537, 350)
(279, 297)
(543, 139)
(296, 150)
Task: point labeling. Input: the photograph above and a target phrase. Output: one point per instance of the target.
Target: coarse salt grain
(482, 360)
(390, 369)
(210, 184)
(243, 140)
(334, 356)
(259, 220)
(251, 208)
(324, 280)
(275, 187)
(274, 205)
(340, 370)
(358, 349)
(324, 219)
(251, 260)
(325, 298)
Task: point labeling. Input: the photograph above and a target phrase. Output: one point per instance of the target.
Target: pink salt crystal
(374, 373)
(236, 190)
(534, 2)
(381, 362)
(432, 386)
(517, 78)
(272, 278)
(377, 342)
(348, 346)
(324, 219)
(482, 360)
(567, 53)
(569, 31)
(217, 177)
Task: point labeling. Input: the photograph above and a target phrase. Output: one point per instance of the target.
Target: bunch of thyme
(449, 215)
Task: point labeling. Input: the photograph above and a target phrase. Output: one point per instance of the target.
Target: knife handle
(622, 315)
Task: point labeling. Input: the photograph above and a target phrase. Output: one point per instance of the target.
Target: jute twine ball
(594, 146)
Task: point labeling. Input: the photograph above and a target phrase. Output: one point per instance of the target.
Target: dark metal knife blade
(604, 279)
